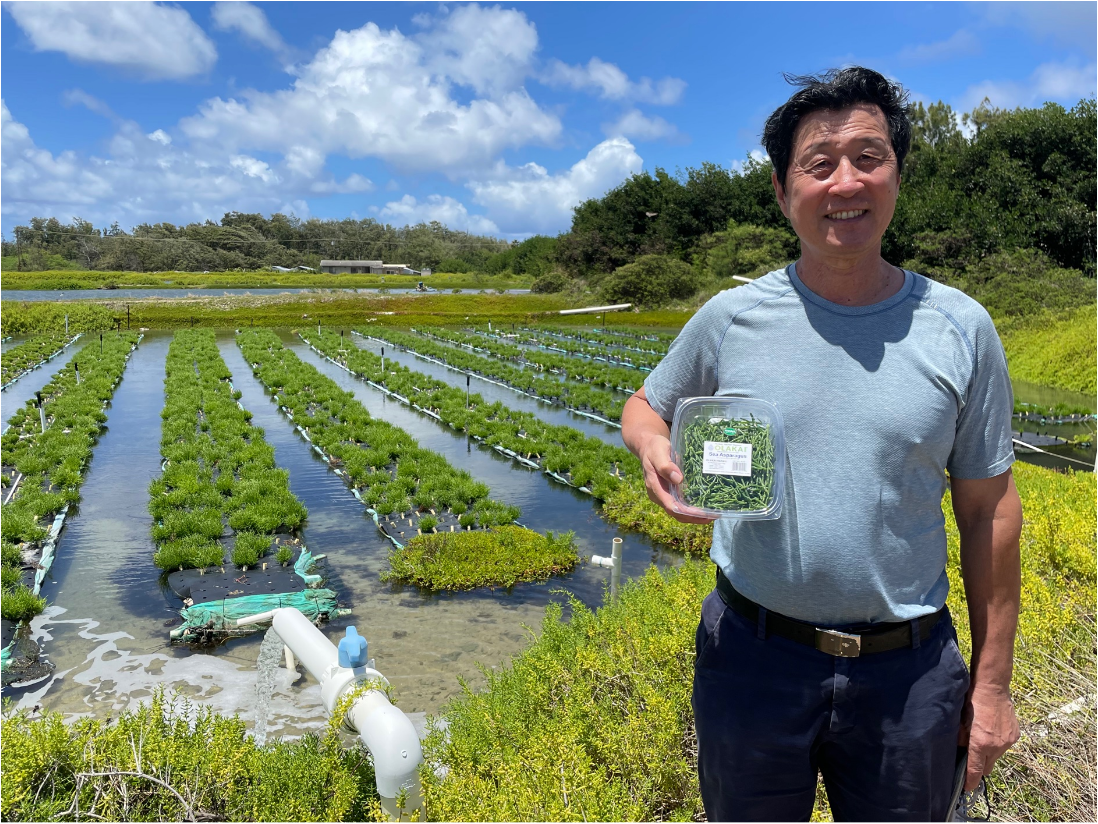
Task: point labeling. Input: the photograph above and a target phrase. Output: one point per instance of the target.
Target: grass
(261, 279)
(502, 557)
(1057, 350)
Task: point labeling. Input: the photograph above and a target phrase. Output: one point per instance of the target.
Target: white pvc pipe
(742, 279)
(386, 732)
(613, 308)
(615, 570)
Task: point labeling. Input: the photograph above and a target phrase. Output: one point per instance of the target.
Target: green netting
(304, 562)
(217, 619)
(5, 656)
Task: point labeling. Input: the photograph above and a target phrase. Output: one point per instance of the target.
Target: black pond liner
(223, 583)
(23, 663)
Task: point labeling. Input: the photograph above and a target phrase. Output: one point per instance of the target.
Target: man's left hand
(989, 728)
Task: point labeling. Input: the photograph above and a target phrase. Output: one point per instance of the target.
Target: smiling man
(826, 645)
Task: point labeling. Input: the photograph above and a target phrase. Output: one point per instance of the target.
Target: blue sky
(496, 119)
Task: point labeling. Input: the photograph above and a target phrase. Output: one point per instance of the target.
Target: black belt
(881, 638)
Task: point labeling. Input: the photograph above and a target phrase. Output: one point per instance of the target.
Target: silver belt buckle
(839, 644)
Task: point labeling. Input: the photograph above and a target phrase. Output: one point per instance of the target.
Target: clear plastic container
(731, 451)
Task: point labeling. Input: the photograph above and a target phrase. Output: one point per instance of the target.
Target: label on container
(722, 458)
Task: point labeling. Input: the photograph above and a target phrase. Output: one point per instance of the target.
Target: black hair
(833, 90)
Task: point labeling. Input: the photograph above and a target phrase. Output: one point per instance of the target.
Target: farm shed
(349, 267)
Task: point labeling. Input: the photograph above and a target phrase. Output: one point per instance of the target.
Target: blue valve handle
(352, 649)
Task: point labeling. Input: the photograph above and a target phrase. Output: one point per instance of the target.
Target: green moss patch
(501, 557)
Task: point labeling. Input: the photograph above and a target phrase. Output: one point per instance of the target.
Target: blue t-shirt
(878, 402)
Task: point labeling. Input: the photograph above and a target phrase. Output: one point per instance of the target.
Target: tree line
(1000, 203)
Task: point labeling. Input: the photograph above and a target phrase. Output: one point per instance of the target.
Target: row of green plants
(576, 396)
(218, 469)
(398, 480)
(618, 378)
(49, 466)
(647, 343)
(555, 343)
(609, 473)
(591, 722)
(287, 310)
(30, 353)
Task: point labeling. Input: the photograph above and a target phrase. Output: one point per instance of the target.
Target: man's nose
(846, 180)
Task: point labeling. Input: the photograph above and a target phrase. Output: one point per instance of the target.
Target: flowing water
(270, 654)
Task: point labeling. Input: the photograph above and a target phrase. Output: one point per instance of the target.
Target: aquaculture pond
(105, 630)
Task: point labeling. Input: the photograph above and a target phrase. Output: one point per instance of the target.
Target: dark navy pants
(770, 713)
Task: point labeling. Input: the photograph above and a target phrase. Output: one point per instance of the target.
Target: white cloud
(612, 83)
(153, 42)
(1070, 24)
(489, 49)
(636, 125)
(740, 166)
(961, 43)
(446, 210)
(250, 22)
(1057, 82)
(374, 93)
(144, 177)
(78, 97)
(529, 199)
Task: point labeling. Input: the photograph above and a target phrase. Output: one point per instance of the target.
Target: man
(826, 645)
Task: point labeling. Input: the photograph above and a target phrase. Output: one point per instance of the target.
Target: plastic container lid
(731, 451)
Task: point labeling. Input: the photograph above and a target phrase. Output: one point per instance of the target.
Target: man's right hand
(660, 473)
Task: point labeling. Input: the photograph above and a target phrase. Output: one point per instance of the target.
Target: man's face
(840, 190)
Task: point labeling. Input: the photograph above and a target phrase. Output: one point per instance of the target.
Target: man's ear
(779, 193)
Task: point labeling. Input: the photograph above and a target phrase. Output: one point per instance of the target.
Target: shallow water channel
(23, 389)
(106, 629)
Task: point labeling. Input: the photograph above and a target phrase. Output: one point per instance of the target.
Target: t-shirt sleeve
(690, 366)
(983, 446)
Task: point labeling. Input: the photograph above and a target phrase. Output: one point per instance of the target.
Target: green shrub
(650, 281)
(284, 555)
(428, 522)
(551, 282)
(463, 560)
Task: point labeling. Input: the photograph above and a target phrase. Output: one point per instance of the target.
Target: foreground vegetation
(48, 467)
(591, 722)
(171, 760)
